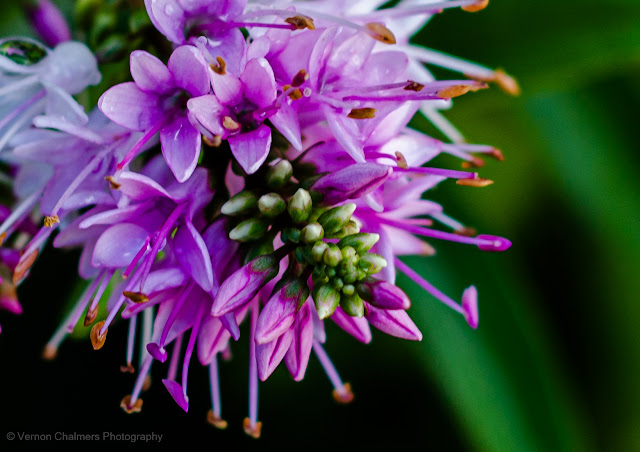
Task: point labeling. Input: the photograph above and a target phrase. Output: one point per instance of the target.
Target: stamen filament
(131, 338)
(330, 369)
(175, 357)
(148, 134)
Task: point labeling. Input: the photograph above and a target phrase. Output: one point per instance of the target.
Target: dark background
(554, 364)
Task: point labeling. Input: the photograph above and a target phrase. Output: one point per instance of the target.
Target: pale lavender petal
(297, 358)
(269, 355)
(286, 121)
(346, 132)
(190, 70)
(118, 245)
(259, 83)
(227, 88)
(181, 147)
(139, 187)
(251, 148)
(470, 306)
(206, 112)
(127, 105)
(192, 254)
(149, 73)
(165, 278)
(168, 18)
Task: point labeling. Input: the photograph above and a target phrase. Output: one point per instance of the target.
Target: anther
(475, 162)
(362, 113)
(496, 154)
(296, 94)
(216, 421)
(220, 68)
(136, 297)
(23, 266)
(146, 384)
(477, 182)
(49, 353)
(214, 143)
(97, 340)
(413, 86)
(112, 183)
(466, 232)
(51, 220)
(2, 237)
(300, 22)
(475, 7)
(125, 404)
(252, 430)
(401, 160)
(343, 395)
(380, 33)
(508, 84)
(128, 368)
(230, 124)
(458, 90)
(301, 77)
(91, 316)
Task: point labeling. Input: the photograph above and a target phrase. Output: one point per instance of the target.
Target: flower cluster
(265, 173)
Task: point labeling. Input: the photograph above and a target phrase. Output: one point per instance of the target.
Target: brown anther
(477, 182)
(220, 68)
(146, 384)
(475, 7)
(49, 353)
(97, 340)
(252, 430)
(136, 297)
(51, 220)
(427, 250)
(112, 183)
(402, 161)
(496, 154)
(216, 421)
(362, 113)
(300, 22)
(296, 94)
(230, 124)
(128, 368)
(458, 90)
(475, 162)
(380, 33)
(466, 231)
(91, 316)
(214, 143)
(23, 266)
(125, 404)
(286, 87)
(508, 84)
(413, 86)
(2, 237)
(345, 396)
(301, 77)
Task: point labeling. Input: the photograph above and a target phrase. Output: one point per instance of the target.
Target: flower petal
(297, 358)
(118, 245)
(190, 70)
(355, 326)
(149, 73)
(193, 256)
(396, 323)
(127, 105)
(181, 147)
(251, 148)
(270, 354)
(259, 83)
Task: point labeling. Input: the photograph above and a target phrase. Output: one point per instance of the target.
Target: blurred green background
(554, 364)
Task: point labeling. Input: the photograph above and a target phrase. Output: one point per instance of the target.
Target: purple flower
(49, 22)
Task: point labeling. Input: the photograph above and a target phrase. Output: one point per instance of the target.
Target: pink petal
(286, 121)
(193, 256)
(355, 326)
(270, 354)
(297, 358)
(259, 83)
(395, 323)
(177, 392)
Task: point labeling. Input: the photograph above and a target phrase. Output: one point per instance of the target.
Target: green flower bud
(301, 254)
(248, 230)
(352, 305)
(316, 212)
(337, 283)
(240, 204)
(331, 272)
(332, 255)
(271, 205)
(300, 206)
(312, 233)
(350, 277)
(327, 300)
(261, 248)
(361, 243)
(349, 254)
(372, 263)
(335, 219)
(318, 249)
(349, 229)
(290, 235)
(348, 289)
(279, 174)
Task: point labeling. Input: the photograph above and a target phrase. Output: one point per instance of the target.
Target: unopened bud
(312, 233)
(332, 255)
(240, 204)
(382, 294)
(361, 242)
(327, 300)
(290, 235)
(279, 174)
(248, 230)
(372, 263)
(335, 219)
(318, 249)
(271, 205)
(351, 182)
(352, 305)
(299, 207)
